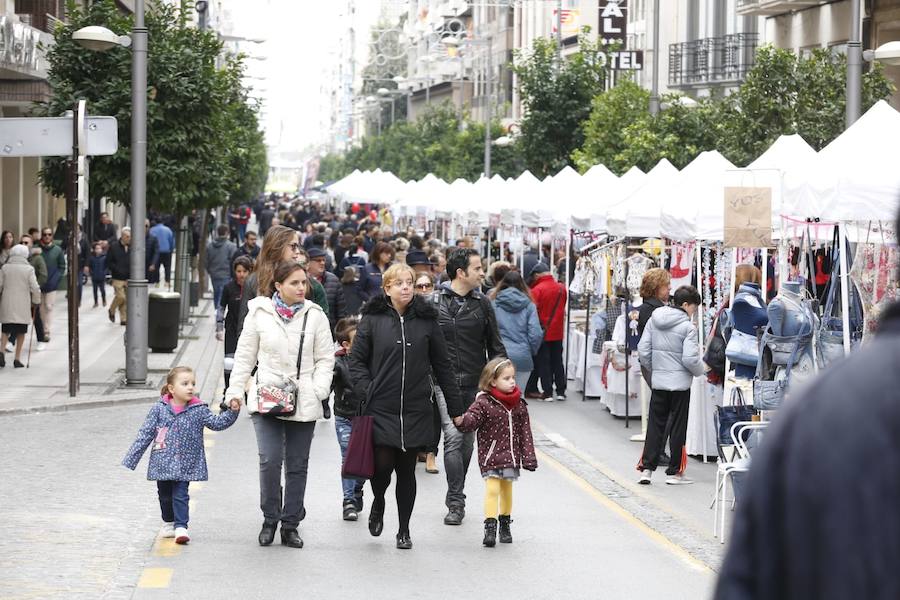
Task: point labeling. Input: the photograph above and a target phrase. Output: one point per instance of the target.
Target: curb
(11, 412)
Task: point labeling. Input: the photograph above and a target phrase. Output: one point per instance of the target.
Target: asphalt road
(77, 525)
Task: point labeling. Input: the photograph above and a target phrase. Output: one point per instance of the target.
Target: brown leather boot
(430, 464)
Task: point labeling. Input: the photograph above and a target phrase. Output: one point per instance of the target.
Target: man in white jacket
(670, 351)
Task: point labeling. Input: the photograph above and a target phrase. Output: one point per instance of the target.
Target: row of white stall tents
(852, 179)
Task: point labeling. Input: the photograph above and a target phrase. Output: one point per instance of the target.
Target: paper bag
(748, 217)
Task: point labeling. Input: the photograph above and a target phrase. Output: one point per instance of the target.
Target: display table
(701, 429)
(577, 349)
(613, 394)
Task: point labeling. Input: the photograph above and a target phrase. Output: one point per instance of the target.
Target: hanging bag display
(769, 395)
(727, 416)
(280, 400)
(830, 344)
(742, 348)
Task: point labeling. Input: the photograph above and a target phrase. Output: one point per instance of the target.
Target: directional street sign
(52, 136)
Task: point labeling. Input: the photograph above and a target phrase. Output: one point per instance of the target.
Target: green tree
(604, 130)
(202, 136)
(557, 99)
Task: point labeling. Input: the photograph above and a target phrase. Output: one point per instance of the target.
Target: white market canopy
(637, 214)
(694, 207)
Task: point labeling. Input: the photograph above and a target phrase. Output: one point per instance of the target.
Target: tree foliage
(435, 143)
(203, 139)
(556, 99)
(782, 94)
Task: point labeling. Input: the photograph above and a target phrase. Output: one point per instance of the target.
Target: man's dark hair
(249, 233)
(686, 294)
(318, 240)
(416, 243)
(223, 230)
(458, 258)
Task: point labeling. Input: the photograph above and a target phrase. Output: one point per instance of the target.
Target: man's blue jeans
(218, 286)
(173, 501)
(353, 489)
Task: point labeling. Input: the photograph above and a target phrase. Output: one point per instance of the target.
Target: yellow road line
(155, 578)
(654, 535)
(166, 547)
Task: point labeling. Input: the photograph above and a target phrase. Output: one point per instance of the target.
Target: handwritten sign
(748, 217)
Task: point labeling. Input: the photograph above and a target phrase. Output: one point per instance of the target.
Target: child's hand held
(235, 405)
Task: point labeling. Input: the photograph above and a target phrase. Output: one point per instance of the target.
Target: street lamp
(489, 80)
(102, 39)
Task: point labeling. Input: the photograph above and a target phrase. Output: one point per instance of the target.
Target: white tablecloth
(701, 430)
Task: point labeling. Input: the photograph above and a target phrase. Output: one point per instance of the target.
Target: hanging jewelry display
(711, 303)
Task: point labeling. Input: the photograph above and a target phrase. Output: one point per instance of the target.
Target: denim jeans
(353, 489)
(173, 501)
(218, 286)
(283, 443)
(458, 448)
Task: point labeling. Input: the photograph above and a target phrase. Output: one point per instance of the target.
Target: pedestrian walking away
(469, 326)
(505, 443)
(518, 322)
(219, 256)
(287, 339)
(334, 293)
(175, 426)
(19, 295)
(550, 298)
(166, 240)
(345, 408)
(670, 353)
(55, 259)
(398, 344)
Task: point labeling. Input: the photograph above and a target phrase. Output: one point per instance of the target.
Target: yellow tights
(498, 492)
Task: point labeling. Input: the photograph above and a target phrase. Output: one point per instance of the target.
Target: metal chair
(741, 464)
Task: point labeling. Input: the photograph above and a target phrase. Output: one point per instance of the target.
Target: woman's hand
(457, 421)
(235, 405)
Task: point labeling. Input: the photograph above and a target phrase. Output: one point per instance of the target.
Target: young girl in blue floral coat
(175, 427)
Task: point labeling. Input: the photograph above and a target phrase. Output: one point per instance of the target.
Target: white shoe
(678, 480)
(561, 397)
(10, 347)
(646, 474)
(181, 535)
(548, 399)
(167, 530)
(41, 346)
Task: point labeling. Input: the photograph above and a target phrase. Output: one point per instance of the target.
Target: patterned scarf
(284, 311)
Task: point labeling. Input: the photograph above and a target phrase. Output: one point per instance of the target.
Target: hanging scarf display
(682, 267)
(285, 311)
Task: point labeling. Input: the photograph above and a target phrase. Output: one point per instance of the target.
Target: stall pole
(540, 245)
(569, 244)
(701, 332)
(765, 274)
(845, 286)
(627, 353)
(587, 349)
(730, 304)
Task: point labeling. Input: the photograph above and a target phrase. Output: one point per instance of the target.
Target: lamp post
(489, 81)
(102, 39)
(654, 84)
(854, 66)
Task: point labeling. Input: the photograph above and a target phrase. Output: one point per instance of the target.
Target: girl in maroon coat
(505, 444)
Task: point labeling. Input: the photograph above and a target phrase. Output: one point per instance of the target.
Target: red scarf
(509, 400)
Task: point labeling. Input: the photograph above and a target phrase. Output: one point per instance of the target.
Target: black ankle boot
(490, 533)
(505, 533)
(290, 537)
(267, 533)
(376, 518)
(403, 541)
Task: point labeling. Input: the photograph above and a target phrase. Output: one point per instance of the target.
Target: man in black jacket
(118, 262)
(470, 327)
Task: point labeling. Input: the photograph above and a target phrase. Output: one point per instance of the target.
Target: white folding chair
(725, 469)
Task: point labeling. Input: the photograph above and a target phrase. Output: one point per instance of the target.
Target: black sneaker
(350, 512)
(358, 503)
(455, 516)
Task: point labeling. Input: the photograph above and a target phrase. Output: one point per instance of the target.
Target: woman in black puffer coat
(398, 345)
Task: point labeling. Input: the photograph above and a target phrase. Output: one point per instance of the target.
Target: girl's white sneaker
(181, 535)
(167, 530)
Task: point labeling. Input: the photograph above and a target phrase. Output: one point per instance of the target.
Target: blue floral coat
(177, 453)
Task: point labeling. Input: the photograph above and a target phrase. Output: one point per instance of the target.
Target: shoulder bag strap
(553, 312)
(302, 339)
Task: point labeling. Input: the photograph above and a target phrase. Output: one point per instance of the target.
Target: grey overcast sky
(303, 41)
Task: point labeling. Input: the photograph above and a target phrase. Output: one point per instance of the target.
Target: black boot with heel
(490, 533)
(267, 533)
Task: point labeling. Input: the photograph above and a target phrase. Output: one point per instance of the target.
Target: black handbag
(727, 416)
(715, 350)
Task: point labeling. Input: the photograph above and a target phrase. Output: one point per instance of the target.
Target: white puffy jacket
(669, 349)
(270, 342)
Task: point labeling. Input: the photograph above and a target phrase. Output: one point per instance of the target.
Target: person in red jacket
(550, 298)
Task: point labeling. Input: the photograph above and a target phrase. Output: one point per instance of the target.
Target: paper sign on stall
(748, 217)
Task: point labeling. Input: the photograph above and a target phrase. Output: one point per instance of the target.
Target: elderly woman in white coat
(278, 321)
(19, 291)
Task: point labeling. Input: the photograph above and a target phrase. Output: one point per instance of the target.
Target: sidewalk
(45, 385)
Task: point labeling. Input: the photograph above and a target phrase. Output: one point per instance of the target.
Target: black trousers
(665, 406)
(549, 368)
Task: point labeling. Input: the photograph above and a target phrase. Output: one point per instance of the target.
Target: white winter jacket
(669, 349)
(270, 342)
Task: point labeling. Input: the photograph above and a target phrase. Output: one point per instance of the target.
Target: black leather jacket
(471, 333)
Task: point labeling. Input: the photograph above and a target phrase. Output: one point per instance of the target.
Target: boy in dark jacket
(97, 267)
(344, 410)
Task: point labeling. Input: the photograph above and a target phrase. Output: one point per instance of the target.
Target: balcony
(718, 61)
(768, 8)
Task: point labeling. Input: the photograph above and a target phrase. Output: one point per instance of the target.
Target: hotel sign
(613, 30)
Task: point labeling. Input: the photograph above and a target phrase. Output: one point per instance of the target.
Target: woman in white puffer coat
(276, 325)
